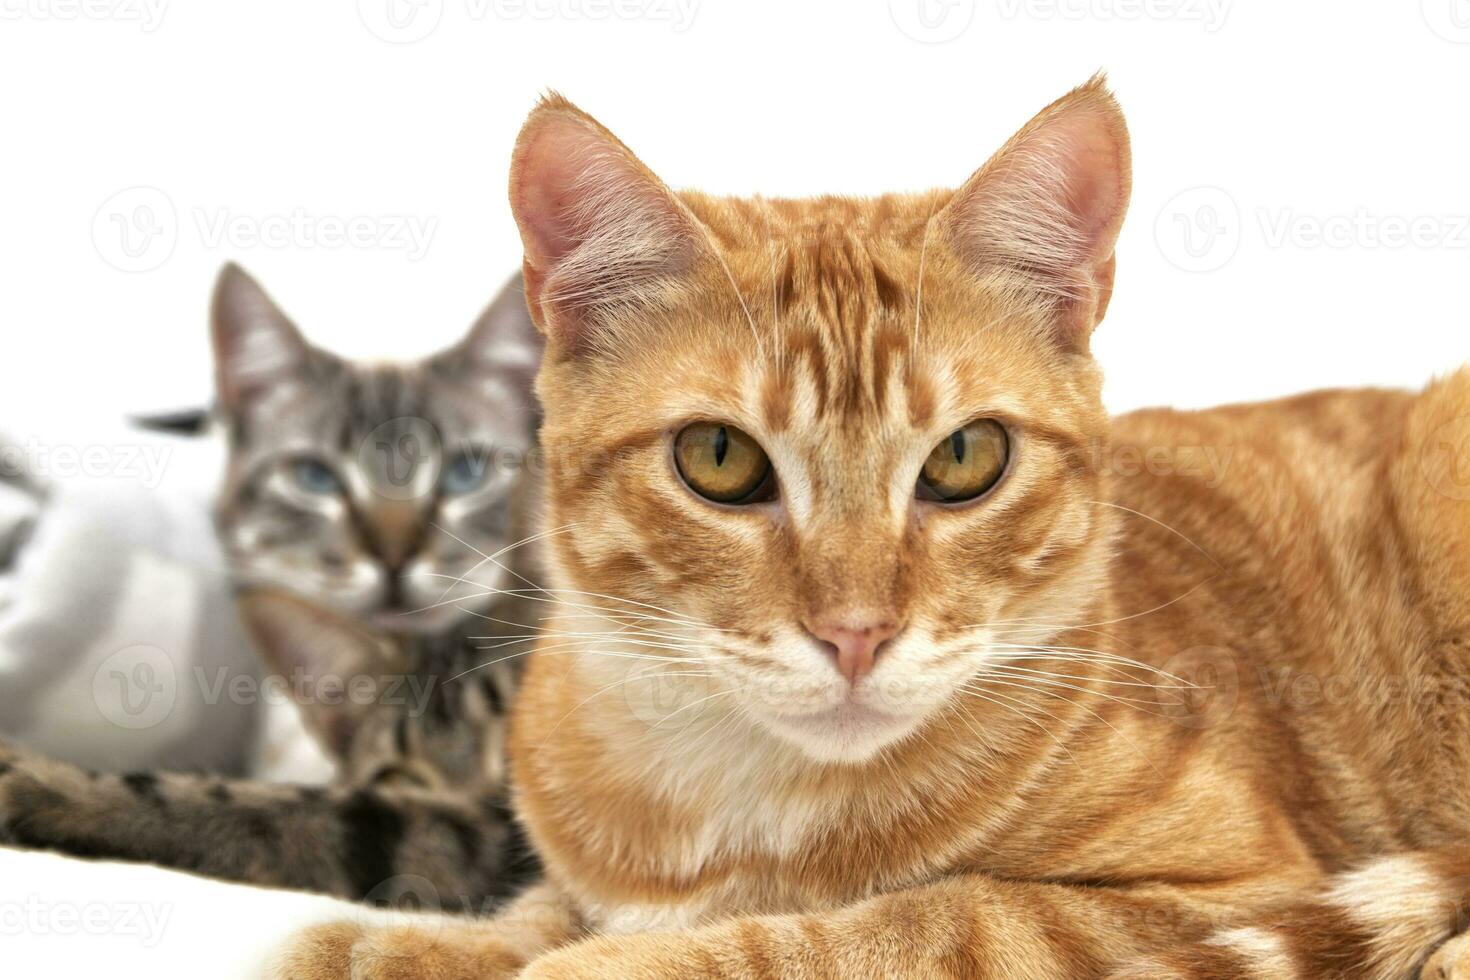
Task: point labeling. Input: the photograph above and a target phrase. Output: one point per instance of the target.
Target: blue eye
(466, 472)
(314, 476)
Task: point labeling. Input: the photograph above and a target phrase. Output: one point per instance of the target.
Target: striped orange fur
(1182, 695)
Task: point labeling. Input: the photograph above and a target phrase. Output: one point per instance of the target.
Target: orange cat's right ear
(1042, 217)
(601, 232)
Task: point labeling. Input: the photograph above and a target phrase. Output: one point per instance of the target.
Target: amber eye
(966, 463)
(723, 464)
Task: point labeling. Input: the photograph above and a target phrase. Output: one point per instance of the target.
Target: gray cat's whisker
(571, 647)
(538, 536)
(595, 610)
(597, 595)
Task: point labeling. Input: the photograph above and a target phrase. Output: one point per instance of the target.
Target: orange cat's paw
(1450, 962)
(319, 953)
(645, 957)
(351, 951)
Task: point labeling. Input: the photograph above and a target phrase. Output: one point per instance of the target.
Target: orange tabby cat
(878, 650)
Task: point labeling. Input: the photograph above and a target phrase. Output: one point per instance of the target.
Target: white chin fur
(835, 736)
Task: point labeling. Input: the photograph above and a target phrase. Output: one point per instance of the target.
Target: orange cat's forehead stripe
(776, 396)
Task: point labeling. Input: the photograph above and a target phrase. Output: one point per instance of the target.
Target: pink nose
(854, 644)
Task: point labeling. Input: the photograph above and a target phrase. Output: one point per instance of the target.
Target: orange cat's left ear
(602, 234)
(1042, 217)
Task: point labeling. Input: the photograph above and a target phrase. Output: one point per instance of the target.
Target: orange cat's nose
(853, 643)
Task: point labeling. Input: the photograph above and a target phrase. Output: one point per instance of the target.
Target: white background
(1344, 116)
(1256, 125)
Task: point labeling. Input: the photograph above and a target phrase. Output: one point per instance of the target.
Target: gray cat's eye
(466, 472)
(314, 476)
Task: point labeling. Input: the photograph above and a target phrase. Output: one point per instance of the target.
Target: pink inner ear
(549, 167)
(1094, 192)
(1051, 202)
(600, 231)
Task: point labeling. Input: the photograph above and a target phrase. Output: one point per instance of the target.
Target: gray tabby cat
(372, 518)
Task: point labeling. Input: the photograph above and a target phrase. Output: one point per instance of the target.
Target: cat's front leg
(965, 928)
(433, 948)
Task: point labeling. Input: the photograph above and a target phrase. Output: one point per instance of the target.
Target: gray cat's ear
(601, 232)
(1040, 220)
(503, 348)
(256, 347)
(320, 657)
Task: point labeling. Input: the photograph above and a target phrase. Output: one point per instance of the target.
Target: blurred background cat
(371, 520)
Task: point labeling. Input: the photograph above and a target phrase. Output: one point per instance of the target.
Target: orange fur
(1141, 718)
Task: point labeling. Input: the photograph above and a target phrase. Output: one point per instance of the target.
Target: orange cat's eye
(966, 464)
(723, 464)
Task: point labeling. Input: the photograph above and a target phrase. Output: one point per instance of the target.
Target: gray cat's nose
(395, 531)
